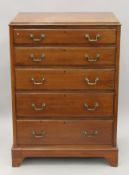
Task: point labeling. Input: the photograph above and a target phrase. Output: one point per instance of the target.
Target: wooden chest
(64, 69)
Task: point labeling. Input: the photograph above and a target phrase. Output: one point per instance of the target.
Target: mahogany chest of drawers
(64, 69)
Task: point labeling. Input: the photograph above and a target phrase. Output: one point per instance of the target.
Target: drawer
(79, 132)
(55, 79)
(64, 36)
(88, 104)
(64, 56)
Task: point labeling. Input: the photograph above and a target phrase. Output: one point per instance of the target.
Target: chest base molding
(109, 153)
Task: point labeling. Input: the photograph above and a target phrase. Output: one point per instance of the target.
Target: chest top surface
(82, 18)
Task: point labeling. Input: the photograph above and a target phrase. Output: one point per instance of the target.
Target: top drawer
(64, 36)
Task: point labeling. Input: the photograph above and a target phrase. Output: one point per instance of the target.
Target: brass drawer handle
(96, 105)
(43, 106)
(32, 56)
(36, 135)
(90, 59)
(92, 83)
(87, 36)
(37, 40)
(90, 134)
(37, 82)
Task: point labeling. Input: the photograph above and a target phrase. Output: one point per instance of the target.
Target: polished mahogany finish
(64, 56)
(65, 104)
(75, 79)
(64, 36)
(55, 132)
(65, 71)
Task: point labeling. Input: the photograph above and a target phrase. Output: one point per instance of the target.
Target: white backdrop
(8, 9)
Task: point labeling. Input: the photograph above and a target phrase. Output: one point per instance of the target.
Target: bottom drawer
(43, 132)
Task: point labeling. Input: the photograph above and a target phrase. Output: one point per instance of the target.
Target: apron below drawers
(90, 104)
(64, 132)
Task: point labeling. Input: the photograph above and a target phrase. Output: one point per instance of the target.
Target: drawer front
(68, 132)
(48, 79)
(64, 56)
(64, 104)
(62, 36)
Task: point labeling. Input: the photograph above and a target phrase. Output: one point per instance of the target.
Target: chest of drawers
(64, 70)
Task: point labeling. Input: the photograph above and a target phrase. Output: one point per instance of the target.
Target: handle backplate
(34, 59)
(37, 108)
(92, 83)
(95, 106)
(37, 40)
(91, 59)
(38, 82)
(90, 134)
(42, 134)
(97, 38)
